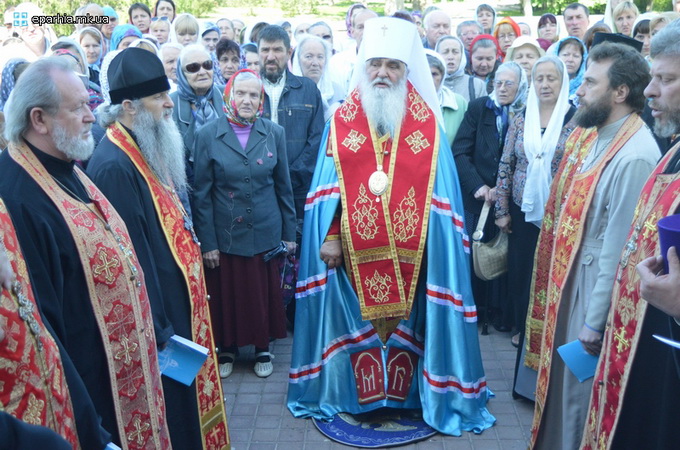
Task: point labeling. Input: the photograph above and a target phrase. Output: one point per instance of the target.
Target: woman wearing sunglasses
(243, 208)
(198, 100)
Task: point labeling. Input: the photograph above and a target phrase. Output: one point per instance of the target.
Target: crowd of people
(225, 181)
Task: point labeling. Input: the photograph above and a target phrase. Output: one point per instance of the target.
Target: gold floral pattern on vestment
(417, 141)
(365, 215)
(34, 410)
(626, 309)
(418, 108)
(379, 287)
(406, 219)
(349, 109)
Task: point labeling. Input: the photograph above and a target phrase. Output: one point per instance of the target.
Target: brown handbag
(490, 259)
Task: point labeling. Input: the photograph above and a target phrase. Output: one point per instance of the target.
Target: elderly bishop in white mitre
(385, 315)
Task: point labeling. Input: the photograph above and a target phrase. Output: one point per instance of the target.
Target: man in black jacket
(294, 103)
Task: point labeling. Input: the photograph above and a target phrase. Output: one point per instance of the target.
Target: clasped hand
(331, 253)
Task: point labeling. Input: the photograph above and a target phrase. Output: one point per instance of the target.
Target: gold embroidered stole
(187, 254)
(32, 384)
(579, 190)
(384, 236)
(659, 198)
(120, 304)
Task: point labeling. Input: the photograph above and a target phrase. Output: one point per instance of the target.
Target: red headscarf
(506, 21)
(230, 105)
(480, 37)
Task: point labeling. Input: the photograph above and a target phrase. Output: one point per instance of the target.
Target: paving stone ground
(259, 419)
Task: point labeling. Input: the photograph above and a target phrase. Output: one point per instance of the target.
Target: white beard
(162, 146)
(384, 107)
(74, 147)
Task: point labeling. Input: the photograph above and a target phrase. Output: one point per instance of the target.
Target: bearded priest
(385, 315)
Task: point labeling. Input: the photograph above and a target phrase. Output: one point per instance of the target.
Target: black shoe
(502, 328)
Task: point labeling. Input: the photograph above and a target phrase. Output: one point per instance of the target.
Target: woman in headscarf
(10, 74)
(477, 150)
(453, 105)
(197, 99)
(572, 51)
(90, 39)
(531, 156)
(505, 32)
(66, 46)
(123, 36)
(452, 51)
(485, 56)
(486, 16)
(525, 51)
(548, 28)
(311, 60)
(243, 210)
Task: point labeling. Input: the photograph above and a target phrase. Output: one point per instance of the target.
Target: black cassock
(116, 176)
(61, 292)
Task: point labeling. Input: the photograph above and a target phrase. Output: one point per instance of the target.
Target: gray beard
(668, 127)
(385, 108)
(162, 146)
(73, 147)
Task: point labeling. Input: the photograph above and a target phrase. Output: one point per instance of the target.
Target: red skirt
(246, 304)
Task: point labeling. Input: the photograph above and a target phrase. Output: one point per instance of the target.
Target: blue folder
(581, 363)
(182, 359)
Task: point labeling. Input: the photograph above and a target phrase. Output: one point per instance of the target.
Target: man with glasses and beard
(624, 412)
(85, 274)
(384, 286)
(139, 165)
(592, 199)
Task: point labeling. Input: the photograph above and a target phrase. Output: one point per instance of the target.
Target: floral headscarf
(575, 82)
(205, 110)
(230, 105)
(8, 80)
(504, 113)
(348, 17)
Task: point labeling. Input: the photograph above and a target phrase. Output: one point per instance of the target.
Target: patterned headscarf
(230, 105)
(8, 80)
(205, 110)
(504, 113)
(574, 83)
(348, 17)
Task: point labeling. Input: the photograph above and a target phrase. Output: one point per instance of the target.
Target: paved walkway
(259, 419)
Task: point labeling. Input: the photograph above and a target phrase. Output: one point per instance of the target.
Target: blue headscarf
(8, 80)
(575, 82)
(121, 32)
(205, 111)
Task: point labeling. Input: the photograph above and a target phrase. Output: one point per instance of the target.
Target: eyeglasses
(195, 67)
(508, 84)
(160, 18)
(503, 37)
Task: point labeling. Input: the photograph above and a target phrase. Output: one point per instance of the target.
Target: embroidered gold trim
(365, 215)
(379, 287)
(406, 218)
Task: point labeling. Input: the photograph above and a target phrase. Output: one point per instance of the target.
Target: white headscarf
(325, 84)
(539, 149)
(104, 75)
(389, 37)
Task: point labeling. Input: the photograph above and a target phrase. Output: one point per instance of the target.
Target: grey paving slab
(259, 419)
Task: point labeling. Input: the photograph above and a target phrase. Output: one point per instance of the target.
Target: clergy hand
(331, 253)
(591, 340)
(6, 274)
(662, 291)
(211, 259)
(504, 223)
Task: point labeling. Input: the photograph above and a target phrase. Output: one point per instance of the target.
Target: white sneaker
(226, 369)
(264, 369)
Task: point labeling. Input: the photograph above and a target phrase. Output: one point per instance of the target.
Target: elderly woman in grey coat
(244, 213)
